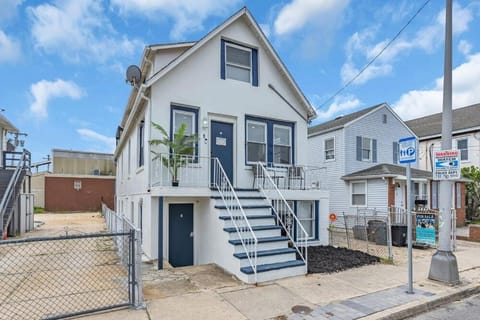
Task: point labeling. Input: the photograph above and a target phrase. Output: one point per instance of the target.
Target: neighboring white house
(465, 134)
(230, 89)
(360, 152)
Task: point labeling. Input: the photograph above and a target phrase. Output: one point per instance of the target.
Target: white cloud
(340, 105)
(465, 47)
(43, 91)
(465, 91)
(9, 48)
(359, 48)
(78, 31)
(108, 143)
(187, 15)
(295, 15)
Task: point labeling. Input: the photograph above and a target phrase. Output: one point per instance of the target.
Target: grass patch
(38, 210)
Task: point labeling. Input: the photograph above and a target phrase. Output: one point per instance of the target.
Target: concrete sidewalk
(370, 292)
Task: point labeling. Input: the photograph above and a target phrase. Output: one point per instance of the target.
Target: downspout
(147, 136)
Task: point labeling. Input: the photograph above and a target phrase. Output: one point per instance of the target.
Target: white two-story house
(245, 194)
(466, 139)
(360, 153)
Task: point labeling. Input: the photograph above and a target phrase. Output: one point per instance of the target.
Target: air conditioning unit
(96, 172)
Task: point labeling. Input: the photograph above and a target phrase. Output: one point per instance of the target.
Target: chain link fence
(376, 231)
(57, 277)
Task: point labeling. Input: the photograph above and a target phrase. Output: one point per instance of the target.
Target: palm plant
(180, 145)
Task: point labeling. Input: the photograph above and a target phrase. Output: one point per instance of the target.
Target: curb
(432, 304)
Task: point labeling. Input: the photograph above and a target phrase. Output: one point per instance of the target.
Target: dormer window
(239, 63)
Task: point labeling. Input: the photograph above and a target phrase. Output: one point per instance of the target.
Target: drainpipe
(147, 134)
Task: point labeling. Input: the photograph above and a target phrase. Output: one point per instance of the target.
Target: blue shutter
(374, 150)
(222, 59)
(359, 148)
(255, 67)
(395, 152)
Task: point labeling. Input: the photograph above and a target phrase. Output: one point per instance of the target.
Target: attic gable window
(239, 63)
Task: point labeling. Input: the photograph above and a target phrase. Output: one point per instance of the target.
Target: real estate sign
(446, 165)
(425, 230)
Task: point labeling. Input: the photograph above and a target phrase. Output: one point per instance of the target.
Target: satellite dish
(134, 75)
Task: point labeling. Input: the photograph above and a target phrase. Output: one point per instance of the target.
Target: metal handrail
(280, 202)
(249, 242)
(10, 191)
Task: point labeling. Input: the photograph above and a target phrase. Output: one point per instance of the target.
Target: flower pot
(174, 183)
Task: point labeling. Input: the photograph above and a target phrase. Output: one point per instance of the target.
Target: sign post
(408, 154)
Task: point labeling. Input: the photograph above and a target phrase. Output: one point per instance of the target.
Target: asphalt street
(468, 309)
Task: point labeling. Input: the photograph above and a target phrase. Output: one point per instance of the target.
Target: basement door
(180, 234)
(221, 147)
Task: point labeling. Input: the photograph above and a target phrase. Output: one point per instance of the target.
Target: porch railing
(283, 212)
(237, 215)
(293, 177)
(193, 171)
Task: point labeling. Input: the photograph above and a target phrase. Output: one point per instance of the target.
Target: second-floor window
(141, 143)
(239, 62)
(256, 141)
(330, 149)
(187, 116)
(462, 146)
(366, 149)
(282, 144)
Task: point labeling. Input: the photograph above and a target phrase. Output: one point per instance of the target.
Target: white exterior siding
(377, 190)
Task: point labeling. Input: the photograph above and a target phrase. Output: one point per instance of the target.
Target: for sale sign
(446, 165)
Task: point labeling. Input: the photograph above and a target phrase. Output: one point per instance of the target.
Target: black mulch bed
(328, 259)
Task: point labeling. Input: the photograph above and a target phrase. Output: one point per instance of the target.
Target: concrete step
(268, 256)
(258, 220)
(266, 243)
(274, 271)
(250, 210)
(260, 231)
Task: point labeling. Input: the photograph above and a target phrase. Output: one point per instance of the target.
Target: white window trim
(312, 219)
(325, 150)
(283, 145)
(248, 140)
(370, 158)
(460, 155)
(250, 68)
(141, 142)
(366, 194)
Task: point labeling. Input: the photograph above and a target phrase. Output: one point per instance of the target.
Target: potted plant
(180, 145)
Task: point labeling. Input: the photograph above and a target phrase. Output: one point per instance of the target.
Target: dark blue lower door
(180, 234)
(221, 146)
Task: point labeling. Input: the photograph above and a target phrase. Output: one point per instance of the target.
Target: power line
(374, 58)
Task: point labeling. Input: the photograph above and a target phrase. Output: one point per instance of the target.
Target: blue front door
(221, 142)
(180, 234)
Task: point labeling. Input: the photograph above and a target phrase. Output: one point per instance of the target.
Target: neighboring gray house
(465, 131)
(360, 153)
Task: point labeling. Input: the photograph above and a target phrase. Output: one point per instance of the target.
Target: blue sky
(62, 63)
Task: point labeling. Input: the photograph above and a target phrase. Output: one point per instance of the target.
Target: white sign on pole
(446, 165)
(407, 150)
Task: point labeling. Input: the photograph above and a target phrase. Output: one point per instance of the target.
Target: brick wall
(461, 212)
(60, 194)
(391, 192)
(474, 232)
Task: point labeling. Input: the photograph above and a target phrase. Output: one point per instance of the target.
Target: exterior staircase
(275, 259)
(11, 205)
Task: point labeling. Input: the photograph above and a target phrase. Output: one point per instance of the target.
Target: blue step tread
(266, 253)
(260, 206)
(255, 228)
(273, 266)
(260, 240)
(241, 197)
(264, 216)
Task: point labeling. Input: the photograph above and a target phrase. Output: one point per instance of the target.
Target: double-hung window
(462, 146)
(307, 217)
(366, 149)
(141, 143)
(256, 141)
(282, 144)
(187, 116)
(359, 193)
(239, 62)
(269, 141)
(329, 149)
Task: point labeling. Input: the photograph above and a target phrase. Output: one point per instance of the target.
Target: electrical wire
(374, 58)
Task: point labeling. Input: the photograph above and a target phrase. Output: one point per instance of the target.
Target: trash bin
(359, 232)
(399, 235)
(381, 234)
(373, 225)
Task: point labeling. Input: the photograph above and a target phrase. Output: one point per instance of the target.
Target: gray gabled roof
(463, 119)
(386, 170)
(341, 121)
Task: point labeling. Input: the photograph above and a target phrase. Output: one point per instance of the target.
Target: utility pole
(443, 266)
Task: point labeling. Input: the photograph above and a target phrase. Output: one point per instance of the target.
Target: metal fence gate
(58, 277)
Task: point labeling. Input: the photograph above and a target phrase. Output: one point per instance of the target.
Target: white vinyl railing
(237, 215)
(294, 177)
(192, 171)
(283, 211)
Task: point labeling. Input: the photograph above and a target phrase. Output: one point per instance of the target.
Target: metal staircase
(11, 179)
(260, 252)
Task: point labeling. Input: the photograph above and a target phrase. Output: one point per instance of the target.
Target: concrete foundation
(444, 268)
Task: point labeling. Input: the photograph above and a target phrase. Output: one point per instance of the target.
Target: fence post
(389, 237)
(346, 230)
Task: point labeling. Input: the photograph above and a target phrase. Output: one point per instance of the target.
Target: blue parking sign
(407, 150)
